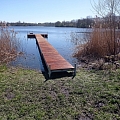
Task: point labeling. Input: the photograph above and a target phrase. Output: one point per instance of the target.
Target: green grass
(24, 95)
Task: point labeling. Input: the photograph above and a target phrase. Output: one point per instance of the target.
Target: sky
(40, 11)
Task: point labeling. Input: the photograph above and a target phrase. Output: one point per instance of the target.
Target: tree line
(80, 23)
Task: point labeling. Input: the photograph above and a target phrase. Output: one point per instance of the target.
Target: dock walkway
(53, 60)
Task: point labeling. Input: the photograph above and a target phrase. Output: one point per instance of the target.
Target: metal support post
(49, 71)
(75, 70)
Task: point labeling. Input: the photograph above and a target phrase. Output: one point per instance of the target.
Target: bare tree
(105, 7)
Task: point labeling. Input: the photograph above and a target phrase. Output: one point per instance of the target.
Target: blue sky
(44, 10)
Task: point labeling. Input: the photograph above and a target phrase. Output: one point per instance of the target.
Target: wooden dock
(31, 35)
(53, 60)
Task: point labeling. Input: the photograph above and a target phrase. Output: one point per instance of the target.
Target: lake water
(58, 37)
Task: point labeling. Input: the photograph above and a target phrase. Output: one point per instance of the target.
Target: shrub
(8, 44)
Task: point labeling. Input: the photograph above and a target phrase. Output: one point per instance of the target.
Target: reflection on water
(58, 37)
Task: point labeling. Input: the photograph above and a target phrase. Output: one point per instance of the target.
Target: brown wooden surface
(51, 55)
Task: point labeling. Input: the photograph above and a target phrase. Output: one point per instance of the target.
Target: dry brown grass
(8, 44)
(99, 43)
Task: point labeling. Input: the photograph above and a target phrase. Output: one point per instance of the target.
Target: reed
(99, 43)
(8, 44)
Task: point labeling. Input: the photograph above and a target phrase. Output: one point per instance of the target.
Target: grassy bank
(90, 95)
